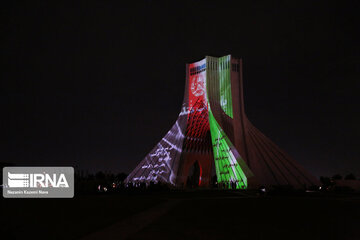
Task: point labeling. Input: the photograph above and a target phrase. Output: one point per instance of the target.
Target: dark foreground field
(184, 215)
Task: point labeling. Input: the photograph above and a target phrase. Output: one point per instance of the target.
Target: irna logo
(38, 182)
(21, 180)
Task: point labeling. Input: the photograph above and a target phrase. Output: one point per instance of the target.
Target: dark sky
(96, 85)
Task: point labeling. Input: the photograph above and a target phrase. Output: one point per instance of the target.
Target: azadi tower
(212, 131)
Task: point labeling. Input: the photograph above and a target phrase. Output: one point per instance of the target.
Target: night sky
(96, 85)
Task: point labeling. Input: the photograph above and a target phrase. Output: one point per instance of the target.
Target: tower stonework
(213, 131)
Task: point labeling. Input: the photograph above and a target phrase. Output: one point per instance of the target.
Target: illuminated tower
(213, 130)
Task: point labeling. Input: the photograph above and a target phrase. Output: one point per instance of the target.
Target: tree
(100, 175)
(325, 181)
(350, 177)
(121, 176)
(337, 177)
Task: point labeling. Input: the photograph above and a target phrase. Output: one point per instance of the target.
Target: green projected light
(225, 85)
(212, 127)
(227, 166)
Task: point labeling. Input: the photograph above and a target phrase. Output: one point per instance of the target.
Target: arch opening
(194, 176)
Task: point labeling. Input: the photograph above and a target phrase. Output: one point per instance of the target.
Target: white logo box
(38, 182)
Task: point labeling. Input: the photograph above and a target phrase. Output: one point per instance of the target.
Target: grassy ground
(67, 218)
(259, 218)
(197, 215)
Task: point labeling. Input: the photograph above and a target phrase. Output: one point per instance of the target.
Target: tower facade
(212, 131)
